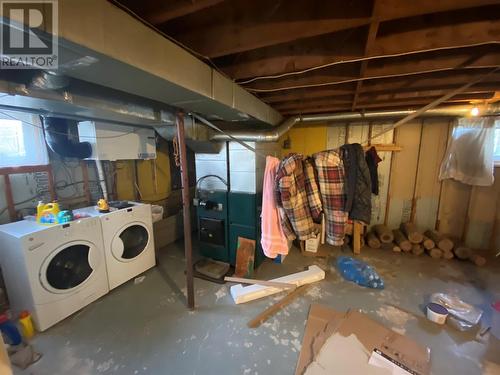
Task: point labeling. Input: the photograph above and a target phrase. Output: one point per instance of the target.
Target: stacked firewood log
(409, 239)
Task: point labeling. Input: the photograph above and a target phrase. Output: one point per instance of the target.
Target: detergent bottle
(47, 213)
(26, 324)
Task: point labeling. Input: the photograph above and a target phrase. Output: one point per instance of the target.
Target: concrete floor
(145, 328)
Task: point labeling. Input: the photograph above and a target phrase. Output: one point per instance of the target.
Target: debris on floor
(359, 272)
(245, 256)
(211, 270)
(462, 316)
(139, 279)
(361, 346)
(243, 294)
(270, 311)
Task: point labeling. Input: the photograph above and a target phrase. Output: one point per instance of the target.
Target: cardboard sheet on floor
(323, 322)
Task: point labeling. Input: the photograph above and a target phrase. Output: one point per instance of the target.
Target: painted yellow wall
(305, 140)
(153, 177)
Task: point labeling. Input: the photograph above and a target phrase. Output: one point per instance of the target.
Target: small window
(21, 140)
(496, 152)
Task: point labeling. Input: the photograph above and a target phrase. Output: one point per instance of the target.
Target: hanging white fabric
(469, 155)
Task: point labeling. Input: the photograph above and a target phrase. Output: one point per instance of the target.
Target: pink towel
(273, 239)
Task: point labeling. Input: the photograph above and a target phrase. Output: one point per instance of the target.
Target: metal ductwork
(276, 133)
(58, 138)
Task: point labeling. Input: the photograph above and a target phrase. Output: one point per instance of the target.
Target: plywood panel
(453, 208)
(357, 133)
(336, 136)
(428, 186)
(403, 174)
(481, 215)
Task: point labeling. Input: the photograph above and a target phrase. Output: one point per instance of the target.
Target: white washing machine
(128, 241)
(52, 271)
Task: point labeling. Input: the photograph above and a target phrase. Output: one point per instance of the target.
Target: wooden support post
(356, 237)
(188, 247)
(9, 198)
(85, 175)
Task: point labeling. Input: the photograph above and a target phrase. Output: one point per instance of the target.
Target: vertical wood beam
(9, 198)
(188, 247)
(356, 237)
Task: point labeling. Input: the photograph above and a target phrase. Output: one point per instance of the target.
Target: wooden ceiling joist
(315, 56)
(169, 10)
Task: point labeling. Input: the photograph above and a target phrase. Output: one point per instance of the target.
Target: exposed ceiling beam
(404, 97)
(371, 106)
(241, 25)
(168, 10)
(399, 85)
(394, 9)
(345, 74)
(291, 59)
(249, 25)
(370, 41)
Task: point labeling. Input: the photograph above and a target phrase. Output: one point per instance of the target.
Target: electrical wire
(360, 59)
(60, 133)
(332, 83)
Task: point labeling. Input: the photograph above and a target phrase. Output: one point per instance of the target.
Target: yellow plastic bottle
(27, 329)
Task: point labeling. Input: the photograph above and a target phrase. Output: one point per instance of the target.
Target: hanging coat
(331, 179)
(292, 197)
(358, 187)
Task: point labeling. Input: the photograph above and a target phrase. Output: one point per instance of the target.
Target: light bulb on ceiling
(474, 111)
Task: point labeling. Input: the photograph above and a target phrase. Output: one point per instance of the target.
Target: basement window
(21, 140)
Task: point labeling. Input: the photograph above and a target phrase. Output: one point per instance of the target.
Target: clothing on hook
(331, 178)
(273, 239)
(291, 195)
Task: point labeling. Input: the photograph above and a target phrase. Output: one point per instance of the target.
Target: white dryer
(52, 271)
(128, 241)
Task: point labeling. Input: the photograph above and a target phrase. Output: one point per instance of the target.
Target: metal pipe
(102, 178)
(274, 135)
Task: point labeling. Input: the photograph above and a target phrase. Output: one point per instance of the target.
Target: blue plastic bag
(359, 272)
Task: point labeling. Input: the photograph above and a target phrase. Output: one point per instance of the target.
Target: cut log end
(478, 260)
(383, 233)
(417, 249)
(435, 253)
(372, 240)
(463, 253)
(448, 255)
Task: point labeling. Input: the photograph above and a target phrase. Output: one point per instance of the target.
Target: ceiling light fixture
(474, 111)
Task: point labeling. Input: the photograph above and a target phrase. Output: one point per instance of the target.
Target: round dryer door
(130, 242)
(69, 267)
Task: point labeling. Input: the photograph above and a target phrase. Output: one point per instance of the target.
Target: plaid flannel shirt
(291, 197)
(331, 179)
(312, 189)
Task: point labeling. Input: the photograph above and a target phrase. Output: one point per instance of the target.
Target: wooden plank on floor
(428, 186)
(482, 214)
(403, 174)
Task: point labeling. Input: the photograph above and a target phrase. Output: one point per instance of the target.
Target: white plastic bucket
(156, 213)
(436, 313)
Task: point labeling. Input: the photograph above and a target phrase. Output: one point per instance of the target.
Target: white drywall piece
(243, 294)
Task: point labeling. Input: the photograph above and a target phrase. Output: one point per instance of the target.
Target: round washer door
(69, 267)
(130, 242)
